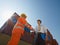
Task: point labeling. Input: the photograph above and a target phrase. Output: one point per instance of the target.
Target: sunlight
(6, 14)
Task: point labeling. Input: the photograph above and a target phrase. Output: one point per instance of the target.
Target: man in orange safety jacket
(18, 30)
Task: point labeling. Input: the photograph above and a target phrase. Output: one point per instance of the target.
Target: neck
(38, 24)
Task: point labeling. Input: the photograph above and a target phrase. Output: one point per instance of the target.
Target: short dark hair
(39, 20)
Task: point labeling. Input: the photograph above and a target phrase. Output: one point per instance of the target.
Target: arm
(29, 26)
(46, 32)
(47, 35)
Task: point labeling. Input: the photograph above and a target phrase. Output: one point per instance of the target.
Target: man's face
(24, 17)
(38, 22)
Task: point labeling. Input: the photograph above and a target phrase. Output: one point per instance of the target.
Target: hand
(46, 38)
(33, 30)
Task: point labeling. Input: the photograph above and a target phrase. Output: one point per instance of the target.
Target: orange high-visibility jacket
(17, 31)
(20, 24)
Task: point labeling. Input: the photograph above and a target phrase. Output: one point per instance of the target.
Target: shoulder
(22, 20)
(44, 26)
(19, 19)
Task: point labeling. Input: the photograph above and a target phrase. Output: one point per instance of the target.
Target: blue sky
(46, 10)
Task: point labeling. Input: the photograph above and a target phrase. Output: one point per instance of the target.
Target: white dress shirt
(42, 28)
